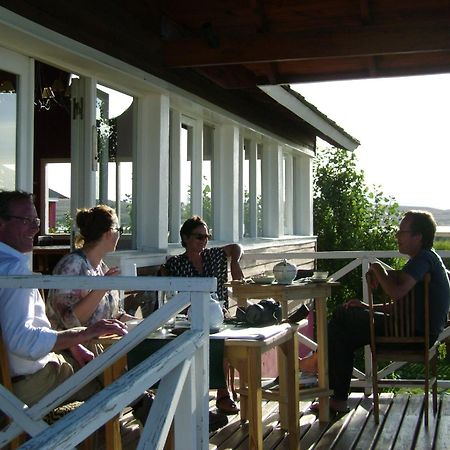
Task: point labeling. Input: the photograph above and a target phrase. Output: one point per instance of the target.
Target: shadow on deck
(401, 427)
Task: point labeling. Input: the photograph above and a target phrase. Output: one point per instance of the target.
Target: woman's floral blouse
(60, 303)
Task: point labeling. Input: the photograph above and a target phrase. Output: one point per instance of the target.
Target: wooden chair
(401, 343)
(87, 444)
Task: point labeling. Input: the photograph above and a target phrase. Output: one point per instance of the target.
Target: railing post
(200, 370)
(365, 264)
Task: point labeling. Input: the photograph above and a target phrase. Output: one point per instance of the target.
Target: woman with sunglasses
(200, 261)
(99, 233)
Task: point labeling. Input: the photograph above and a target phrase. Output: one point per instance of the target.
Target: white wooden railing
(182, 367)
(358, 258)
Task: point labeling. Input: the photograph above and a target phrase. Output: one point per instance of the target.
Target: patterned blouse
(215, 264)
(60, 303)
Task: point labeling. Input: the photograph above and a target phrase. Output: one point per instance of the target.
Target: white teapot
(284, 272)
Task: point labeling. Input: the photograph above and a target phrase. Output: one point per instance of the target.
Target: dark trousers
(348, 330)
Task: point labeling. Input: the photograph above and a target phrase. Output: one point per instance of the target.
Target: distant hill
(442, 216)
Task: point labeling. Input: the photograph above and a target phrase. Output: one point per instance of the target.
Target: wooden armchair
(401, 343)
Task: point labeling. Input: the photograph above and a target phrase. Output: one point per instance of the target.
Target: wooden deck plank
(331, 437)
(350, 435)
(443, 429)
(401, 427)
(390, 423)
(426, 437)
(409, 428)
(369, 434)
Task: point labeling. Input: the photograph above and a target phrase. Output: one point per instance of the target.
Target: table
(299, 292)
(243, 350)
(244, 353)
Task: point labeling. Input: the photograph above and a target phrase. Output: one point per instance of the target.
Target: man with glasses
(349, 328)
(40, 358)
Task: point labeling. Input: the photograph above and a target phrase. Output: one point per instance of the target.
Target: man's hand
(105, 327)
(81, 354)
(354, 303)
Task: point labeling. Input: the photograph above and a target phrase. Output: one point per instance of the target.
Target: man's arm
(69, 338)
(234, 252)
(394, 283)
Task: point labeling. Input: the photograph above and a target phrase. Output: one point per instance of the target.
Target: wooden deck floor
(401, 427)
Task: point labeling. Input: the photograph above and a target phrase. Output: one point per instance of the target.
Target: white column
(175, 175)
(253, 194)
(83, 144)
(288, 194)
(303, 194)
(196, 168)
(24, 67)
(272, 175)
(226, 184)
(152, 173)
(241, 186)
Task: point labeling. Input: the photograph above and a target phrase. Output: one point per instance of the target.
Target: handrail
(185, 360)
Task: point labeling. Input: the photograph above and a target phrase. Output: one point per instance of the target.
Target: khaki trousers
(35, 386)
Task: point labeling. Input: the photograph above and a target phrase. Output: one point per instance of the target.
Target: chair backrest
(400, 323)
(5, 373)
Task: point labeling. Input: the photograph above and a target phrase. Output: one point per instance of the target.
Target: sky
(402, 126)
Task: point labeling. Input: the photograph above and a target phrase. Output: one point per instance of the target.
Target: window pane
(8, 127)
(115, 155)
(57, 198)
(185, 173)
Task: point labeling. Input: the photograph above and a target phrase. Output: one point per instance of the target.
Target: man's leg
(348, 330)
(33, 387)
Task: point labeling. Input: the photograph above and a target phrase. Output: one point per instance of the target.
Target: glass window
(185, 172)
(57, 218)
(8, 130)
(115, 156)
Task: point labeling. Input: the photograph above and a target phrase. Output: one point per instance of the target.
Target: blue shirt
(429, 261)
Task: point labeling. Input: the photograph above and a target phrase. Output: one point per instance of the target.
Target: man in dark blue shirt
(349, 328)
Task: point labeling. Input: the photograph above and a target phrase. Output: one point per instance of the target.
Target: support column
(175, 175)
(303, 193)
(226, 184)
(152, 173)
(272, 176)
(196, 168)
(253, 189)
(288, 194)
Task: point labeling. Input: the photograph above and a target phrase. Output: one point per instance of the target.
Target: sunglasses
(26, 220)
(201, 237)
(119, 229)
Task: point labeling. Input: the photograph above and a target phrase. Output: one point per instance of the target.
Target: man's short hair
(423, 222)
(7, 198)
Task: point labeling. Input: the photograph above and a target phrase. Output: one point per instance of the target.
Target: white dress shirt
(25, 328)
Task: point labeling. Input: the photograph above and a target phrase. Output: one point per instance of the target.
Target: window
(114, 115)
(8, 130)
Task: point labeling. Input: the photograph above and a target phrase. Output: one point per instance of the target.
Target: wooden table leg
(322, 357)
(254, 399)
(289, 396)
(112, 427)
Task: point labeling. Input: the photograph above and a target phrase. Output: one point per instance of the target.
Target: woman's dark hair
(189, 226)
(94, 222)
(8, 198)
(423, 222)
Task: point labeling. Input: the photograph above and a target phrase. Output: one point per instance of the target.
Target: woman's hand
(236, 271)
(113, 271)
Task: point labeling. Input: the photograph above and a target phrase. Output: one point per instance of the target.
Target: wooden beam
(366, 40)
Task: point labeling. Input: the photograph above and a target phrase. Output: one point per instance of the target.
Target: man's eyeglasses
(26, 220)
(119, 229)
(201, 237)
(404, 231)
